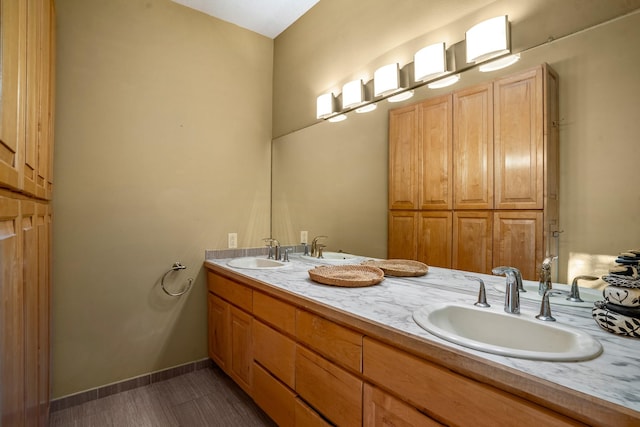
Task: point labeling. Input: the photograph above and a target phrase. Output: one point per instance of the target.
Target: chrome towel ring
(176, 266)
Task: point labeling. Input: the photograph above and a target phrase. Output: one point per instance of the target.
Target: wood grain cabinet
(324, 367)
(489, 148)
(26, 156)
(230, 338)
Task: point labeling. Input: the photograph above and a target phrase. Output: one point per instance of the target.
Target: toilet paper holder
(176, 267)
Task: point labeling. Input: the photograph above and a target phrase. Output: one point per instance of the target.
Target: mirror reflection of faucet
(545, 275)
(314, 246)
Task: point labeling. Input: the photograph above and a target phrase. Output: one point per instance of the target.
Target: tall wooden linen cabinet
(27, 49)
(473, 175)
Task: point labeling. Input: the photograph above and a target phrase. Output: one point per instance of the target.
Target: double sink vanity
(413, 350)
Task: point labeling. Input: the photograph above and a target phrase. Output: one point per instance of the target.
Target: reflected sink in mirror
(493, 331)
(254, 263)
(588, 295)
(334, 258)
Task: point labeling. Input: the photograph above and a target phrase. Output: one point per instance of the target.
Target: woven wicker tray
(351, 276)
(400, 267)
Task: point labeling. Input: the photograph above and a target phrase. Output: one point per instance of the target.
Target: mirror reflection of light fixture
(499, 63)
(338, 118)
(403, 96)
(488, 39)
(447, 81)
(430, 62)
(325, 105)
(352, 94)
(386, 79)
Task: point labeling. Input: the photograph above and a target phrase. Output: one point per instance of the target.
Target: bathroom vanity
(310, 354)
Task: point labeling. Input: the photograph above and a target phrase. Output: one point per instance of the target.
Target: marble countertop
(614, 376)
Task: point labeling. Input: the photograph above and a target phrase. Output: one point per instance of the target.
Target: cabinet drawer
(307, 417)
(331, 390)
(278, 314)
(448, 397)
(337, 343)
(381, 409)
(231, 291)
(275, 352)
(273, 397)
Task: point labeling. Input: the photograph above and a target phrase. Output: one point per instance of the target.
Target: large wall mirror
(331, 178)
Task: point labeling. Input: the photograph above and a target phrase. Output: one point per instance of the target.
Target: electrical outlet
(304, 237)
(233, 240)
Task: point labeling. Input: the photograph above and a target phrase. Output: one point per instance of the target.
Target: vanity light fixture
(386, 79)
(498, 64)
(430, 62)
(325, 105)
(338, 118)
(352, 94)
(488, 39)
(447, 81)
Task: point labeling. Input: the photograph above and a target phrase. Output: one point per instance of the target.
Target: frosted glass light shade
(366, 108)
(352, 94)
(488, 39)
(430, 62)
(325, 105)
(386, 79)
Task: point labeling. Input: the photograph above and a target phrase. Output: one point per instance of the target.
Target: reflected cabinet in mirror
(335, 179)
(473, 175)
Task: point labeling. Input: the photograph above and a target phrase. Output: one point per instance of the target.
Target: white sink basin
(588, 295)
(493, 331)
(333, 258)
(254, 263)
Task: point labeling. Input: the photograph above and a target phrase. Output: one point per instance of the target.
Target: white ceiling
(266, 17)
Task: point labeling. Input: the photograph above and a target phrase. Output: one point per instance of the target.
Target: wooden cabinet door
(381, 409)
(307, 417)
(13, 39)
(241, 362)
(402, 230)
(278, 401)
(43, 223)
(334, 392)
(518, 241)
(275, 352)
(473, 147)
(435, 238)
(31, 309)
(473, 241)
(518, 141)
(12, 354)
(218, 339)
(403, 158)
(435, 171)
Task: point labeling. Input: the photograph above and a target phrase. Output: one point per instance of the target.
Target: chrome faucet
(512, 293)
(545, 275)
(314, 244)
(273, 254)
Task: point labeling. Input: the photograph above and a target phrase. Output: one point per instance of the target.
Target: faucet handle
(482, 294)
(545, 307)
(574, 295)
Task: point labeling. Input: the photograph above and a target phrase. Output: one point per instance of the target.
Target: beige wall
(331, 178)
(163, 131)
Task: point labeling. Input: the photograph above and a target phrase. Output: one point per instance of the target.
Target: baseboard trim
(68, 401)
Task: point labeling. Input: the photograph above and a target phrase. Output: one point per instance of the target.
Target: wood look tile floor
(206, 397)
